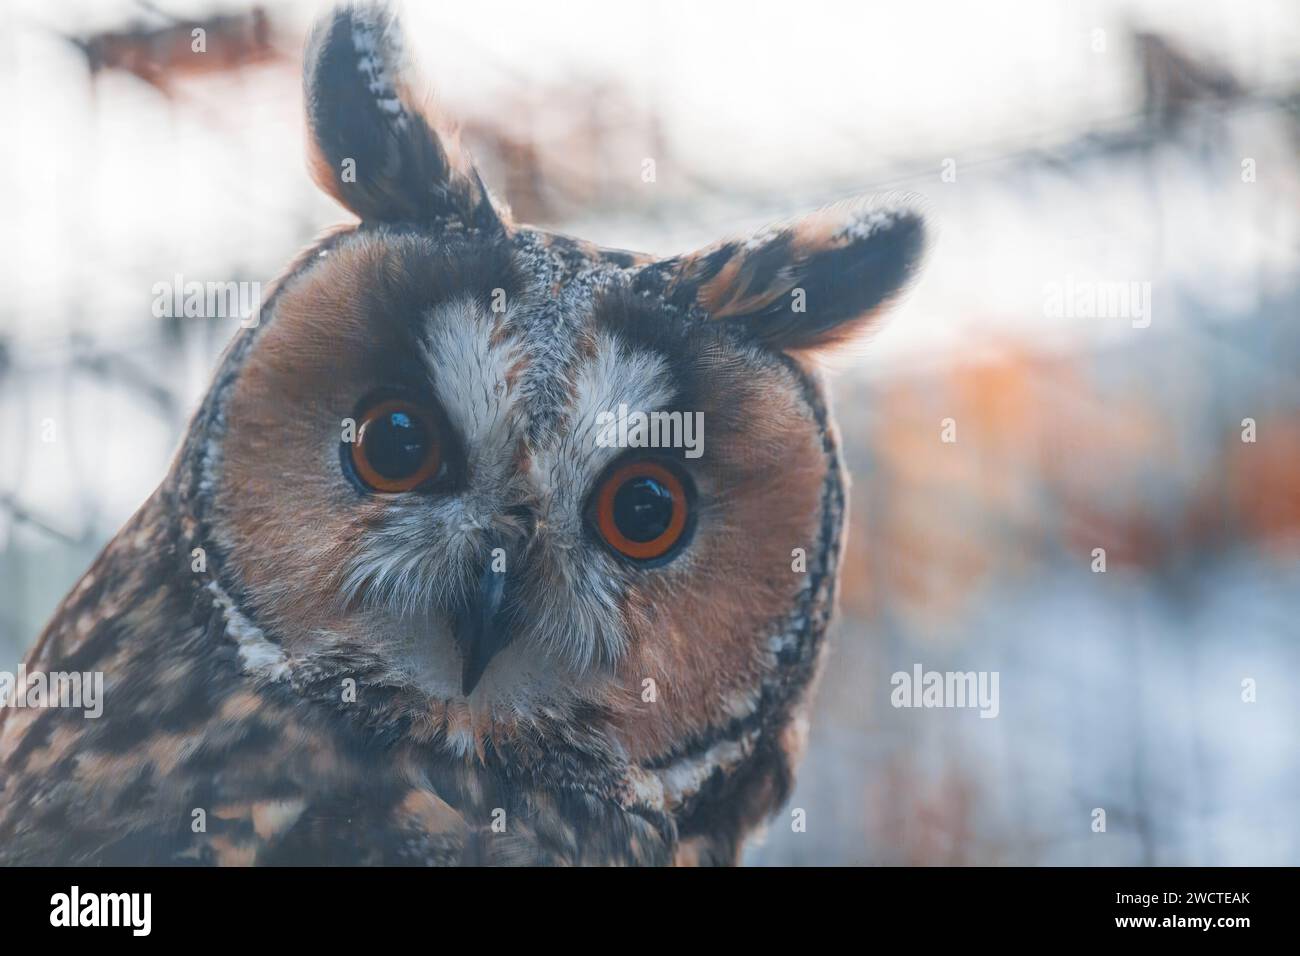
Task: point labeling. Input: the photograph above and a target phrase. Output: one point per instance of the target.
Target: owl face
(508, 476)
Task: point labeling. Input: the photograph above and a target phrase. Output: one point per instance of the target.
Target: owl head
(525, 492)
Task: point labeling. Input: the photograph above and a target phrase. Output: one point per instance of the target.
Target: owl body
(401, 600)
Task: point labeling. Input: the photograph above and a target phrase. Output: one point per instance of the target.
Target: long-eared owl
(485, 545)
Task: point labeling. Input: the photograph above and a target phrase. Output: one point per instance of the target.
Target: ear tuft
(809, 283)
(371, 146)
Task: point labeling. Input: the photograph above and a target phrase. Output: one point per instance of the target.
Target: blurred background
(1059, 146)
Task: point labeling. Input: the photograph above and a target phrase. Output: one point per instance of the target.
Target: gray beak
(479, 631)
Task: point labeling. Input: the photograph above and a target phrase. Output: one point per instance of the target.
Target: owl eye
(643, 510)
(397, 446)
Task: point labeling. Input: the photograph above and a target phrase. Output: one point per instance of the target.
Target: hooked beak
(479, 631)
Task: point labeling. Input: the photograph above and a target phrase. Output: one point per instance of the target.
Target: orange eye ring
(654, 498)
(397, 447)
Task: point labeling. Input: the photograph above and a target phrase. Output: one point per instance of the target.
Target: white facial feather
(468, 374)
(616, 376)
(427, 550)
(583, 621)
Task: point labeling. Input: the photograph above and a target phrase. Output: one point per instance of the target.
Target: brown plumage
(307, 661)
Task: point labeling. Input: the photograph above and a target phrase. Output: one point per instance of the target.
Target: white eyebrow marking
(618, 374)
(468, 371)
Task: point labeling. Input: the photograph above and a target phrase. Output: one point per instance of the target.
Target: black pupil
(396, 445)
(643, 509)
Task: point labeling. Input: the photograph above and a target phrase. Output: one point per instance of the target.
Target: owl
(486, 545)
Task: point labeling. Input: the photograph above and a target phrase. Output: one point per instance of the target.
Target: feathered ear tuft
(370, 145)
(806, 284)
